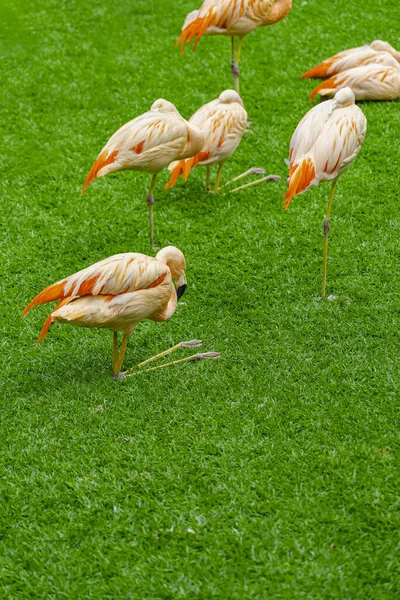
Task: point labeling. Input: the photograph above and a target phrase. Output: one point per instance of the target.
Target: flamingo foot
(190, 344)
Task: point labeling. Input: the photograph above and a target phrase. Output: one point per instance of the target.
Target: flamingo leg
(115, 349)
(119, 359)
(194, 358)
(246, 185)
(252, 171)
(208, 178)
(190, 344)
(239, 51)
(234, 67)
(326, 232)
(150, 203)
(217, 181)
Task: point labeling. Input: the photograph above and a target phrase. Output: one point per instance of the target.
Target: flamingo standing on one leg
(117, 293)
(222, 122)
(233, 18)
(148, 143)
(323, 146)
(371, 82)
(378, 52)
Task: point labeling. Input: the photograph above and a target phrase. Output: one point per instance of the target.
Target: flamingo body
(222, 122)
(148, 143)
(234, 18)
(378, 52)
(118, 292)
(325, 143)
(370, 82)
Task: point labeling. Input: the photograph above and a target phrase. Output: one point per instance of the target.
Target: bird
(117, 293)
(148, 143)
(222, 122)
(323, 146)
(378, 52)
(233, 18)
(371, 82)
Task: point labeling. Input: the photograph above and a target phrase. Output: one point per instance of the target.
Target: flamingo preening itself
(222, 122)
(370, 82)
(148, 143)
(117, 293)
(233, 18)
(378, 52)
(323, 146)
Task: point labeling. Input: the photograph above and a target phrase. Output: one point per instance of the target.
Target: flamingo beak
(181, 286)
(181, 290)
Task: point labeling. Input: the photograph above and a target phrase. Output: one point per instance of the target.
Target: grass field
(271, 473)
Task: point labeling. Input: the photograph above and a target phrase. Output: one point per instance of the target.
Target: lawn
(270, 473)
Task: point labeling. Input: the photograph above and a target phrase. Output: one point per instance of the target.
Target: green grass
(283, 456)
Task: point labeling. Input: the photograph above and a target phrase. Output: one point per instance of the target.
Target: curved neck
(278, 11)
(171, 306)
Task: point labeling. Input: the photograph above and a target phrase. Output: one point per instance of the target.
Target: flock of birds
(122, 290)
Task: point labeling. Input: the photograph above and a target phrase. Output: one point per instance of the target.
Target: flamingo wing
(339, 142)
(145, 135)
(308, 130)
(333, 149)
(219, 14)
(223, 126)
(224, 130)
(113, 276)
(335, 64)
(370, 82)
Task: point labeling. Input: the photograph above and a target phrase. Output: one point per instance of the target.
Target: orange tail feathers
(320, 71)
(175, 173)
(184, 168)
(330, 85)
(196, 28)
(299, 181)
(53, 292)
(101, 161)
(50, 320)
(45, 329)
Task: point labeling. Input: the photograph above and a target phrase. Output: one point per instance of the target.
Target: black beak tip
(181, 290)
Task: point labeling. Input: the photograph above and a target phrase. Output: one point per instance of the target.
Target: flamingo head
(344, 97)
(175, 260)
(230, 96)
(163, 106)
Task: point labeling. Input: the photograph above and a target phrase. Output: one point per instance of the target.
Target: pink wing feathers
(223, 125)
(324, 144)
(370, 82)
(378, 52)
(147, 143)
(349, 59)
(113, 276)
(213, 13)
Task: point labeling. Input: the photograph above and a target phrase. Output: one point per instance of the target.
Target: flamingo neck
(171, 306)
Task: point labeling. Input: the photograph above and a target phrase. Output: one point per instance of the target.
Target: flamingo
(323, 146)
(233, 18)
(117, 293)
(222, 122)
(378, 52)
(149, 143)
(371, 82)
